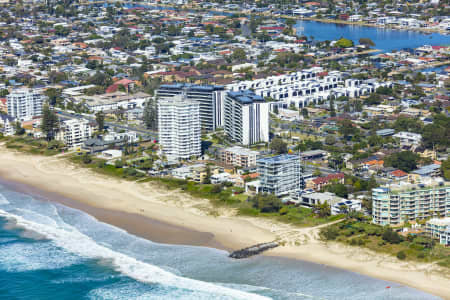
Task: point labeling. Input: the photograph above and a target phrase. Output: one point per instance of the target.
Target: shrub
(217, 188)
(401, 255)
(421, 255)
(266, 202)
(101, 164)
(391, 236)
(118, 163)
(87, 159)
(284, 210)
(330, 233)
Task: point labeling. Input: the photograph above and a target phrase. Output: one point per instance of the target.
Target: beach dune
(150, 211)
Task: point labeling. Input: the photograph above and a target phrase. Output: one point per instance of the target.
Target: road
(66, 116)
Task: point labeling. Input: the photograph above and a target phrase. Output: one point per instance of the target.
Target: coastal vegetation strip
(381, 239)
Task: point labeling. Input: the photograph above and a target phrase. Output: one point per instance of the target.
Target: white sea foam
(120, 291)
(73, 241)
(20, 257)
(3, 200)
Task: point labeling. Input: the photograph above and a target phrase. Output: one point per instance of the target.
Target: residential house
(319, 183)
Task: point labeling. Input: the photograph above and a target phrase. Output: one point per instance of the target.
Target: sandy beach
(150, 211)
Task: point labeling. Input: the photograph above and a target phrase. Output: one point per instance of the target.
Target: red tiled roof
(272, 28)
(251, 175)
(399, 173)
(124, 82)
(328, 178)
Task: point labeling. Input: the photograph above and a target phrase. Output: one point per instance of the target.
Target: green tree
(207, 179)
(18, 129)
(278, 146)
(344, 43)
(404, 160)
(332, 109)
(437, 135)
(445, 169)
(53, 95)
(408, 124)
(305, 112)
(172, 30)
(391, 236)
(87, 158)
(118, 163)
(100, 119)
(239, 55)
(151, 115)
(347, 128)
(323, 210)
(266, 203)
(339, 189)
(367, 42)
(49, 123)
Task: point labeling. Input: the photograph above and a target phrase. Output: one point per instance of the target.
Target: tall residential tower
(246, 117)
(179, 127)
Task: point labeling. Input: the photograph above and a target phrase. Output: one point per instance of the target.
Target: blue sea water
(49, 251)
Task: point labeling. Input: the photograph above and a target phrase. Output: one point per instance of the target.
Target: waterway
(384, 39)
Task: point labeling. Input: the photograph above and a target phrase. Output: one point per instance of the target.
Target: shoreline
(149, 211)
(136, 224)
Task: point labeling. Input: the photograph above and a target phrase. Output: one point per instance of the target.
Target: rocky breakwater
(253, 250)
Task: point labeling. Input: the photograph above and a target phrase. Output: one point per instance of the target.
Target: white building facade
(398, 203)
(280, 175)
(308, 86)
(74, 132)
(179, 128)
(246, 117)
(24, 104)
(210, 98)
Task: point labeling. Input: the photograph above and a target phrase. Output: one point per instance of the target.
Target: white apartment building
(246, 117)
(402, 202)
(308, 86)
(24, 104)
(408, 138)
(437, 227)
(128, 136)
(179, 127)
(445, 237)
(7, 125)
(113, 101)
(280, 175)
(239, 156)
(210, 98)
(74, 132)
(350, 205)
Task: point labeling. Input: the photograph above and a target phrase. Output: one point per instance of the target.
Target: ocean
(50, 251)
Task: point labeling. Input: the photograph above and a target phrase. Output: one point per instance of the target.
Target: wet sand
(151, 229)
